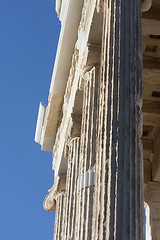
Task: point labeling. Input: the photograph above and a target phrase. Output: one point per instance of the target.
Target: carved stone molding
(59, 186)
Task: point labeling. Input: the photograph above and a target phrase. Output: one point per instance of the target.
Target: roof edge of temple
(69, 13)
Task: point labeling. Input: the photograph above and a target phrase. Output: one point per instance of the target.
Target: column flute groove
(118, 205)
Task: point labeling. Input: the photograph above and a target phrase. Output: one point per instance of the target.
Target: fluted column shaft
(85, 195)
(118, 205)
(59, 218)
(70, 205)
(66, 206)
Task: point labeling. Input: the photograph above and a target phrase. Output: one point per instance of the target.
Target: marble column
(65, 201)
(147, 225)
(85, 191)
(152, 198)
(58, 226)
(70, 205)
(118, 206)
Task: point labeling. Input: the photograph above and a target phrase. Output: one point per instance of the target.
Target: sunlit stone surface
(102, 122)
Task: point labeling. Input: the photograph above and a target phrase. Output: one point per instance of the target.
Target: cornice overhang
(70, 13)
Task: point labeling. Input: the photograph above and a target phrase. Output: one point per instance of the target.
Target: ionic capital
(59, 186)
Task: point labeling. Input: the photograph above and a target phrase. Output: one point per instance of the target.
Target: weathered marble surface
(94, 119)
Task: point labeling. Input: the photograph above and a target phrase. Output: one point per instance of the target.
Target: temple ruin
(102, 121)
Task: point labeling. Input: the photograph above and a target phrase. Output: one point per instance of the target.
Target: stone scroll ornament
(49, 203)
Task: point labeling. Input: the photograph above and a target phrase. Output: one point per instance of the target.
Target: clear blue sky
(29, 31)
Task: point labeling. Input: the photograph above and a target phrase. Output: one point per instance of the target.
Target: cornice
(70, 13)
